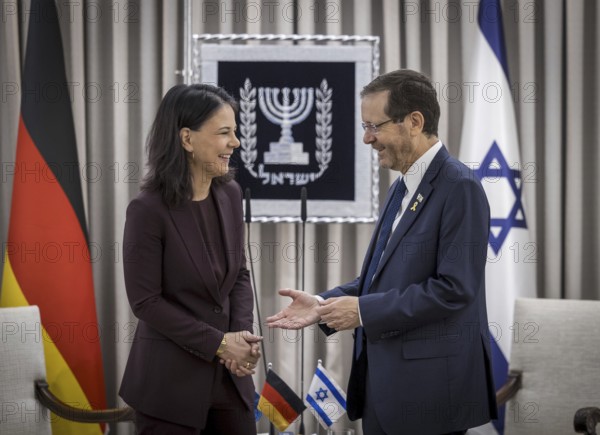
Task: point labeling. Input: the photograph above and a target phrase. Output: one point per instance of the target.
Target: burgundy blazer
(183, 312)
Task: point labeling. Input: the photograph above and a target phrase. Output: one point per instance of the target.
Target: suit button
(217, 310)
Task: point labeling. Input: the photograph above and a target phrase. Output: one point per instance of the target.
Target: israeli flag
(325, 398)
(490, 145)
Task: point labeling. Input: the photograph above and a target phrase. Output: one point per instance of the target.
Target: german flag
(47, 260)
(279, 403)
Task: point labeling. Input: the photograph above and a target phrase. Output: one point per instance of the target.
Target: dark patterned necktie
(384, 234)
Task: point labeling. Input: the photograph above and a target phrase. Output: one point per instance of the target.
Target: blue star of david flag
(325, 398)
(490, 145)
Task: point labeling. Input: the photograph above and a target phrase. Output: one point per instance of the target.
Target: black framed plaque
(299, 126)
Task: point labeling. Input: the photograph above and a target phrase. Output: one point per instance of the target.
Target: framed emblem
(299, 126)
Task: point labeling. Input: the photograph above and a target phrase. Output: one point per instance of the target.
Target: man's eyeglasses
(373, 128)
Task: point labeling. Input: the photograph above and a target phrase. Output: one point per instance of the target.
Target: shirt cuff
(359, 316)
(321, 300)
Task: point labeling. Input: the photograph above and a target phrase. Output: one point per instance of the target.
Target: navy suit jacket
(424, 317)
(183, 311)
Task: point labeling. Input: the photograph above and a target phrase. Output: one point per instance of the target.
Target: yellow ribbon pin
(414, 206)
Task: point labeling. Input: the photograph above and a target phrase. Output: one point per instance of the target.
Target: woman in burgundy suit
(185, 274)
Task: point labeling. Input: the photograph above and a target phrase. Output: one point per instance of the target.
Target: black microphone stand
(248, 219)
(303, 216)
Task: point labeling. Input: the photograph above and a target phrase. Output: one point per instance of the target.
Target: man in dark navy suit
(421, 351)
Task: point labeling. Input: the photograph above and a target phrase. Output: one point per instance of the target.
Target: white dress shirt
(413, 178)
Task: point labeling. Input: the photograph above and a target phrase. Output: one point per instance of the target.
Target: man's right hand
(301, 313)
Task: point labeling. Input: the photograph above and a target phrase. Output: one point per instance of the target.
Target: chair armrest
(510, 388)
(586, 419)
(58, 407)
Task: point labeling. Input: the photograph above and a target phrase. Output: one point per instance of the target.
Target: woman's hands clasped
(241, 353)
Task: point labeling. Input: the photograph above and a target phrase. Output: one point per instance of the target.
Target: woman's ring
(248, 365)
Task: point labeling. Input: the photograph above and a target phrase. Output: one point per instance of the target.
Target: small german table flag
(279, 403)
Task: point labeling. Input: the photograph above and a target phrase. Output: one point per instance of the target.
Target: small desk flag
(279, 403)
(257, 413)
(325, 397)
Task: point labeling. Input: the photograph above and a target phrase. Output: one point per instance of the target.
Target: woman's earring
(193, 157)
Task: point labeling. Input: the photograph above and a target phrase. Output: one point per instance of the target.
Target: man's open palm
(297, 315)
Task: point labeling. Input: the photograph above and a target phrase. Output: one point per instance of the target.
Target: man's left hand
(340, 313)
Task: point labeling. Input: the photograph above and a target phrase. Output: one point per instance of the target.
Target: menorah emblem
(286, 114)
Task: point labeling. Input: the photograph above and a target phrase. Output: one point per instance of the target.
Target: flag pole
(271, 425)
(317, 423)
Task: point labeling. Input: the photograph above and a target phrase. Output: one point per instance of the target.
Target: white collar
(416, 172)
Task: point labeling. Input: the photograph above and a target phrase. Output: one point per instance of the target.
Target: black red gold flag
(278, 402)
(47, 261)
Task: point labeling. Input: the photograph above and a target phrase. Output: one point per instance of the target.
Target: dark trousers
(370, 422)
(227, 415)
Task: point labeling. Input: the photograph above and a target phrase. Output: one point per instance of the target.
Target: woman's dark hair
(410, 91)
(182, 106)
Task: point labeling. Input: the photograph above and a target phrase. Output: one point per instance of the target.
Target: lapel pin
(420, 197)
(414, 206)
